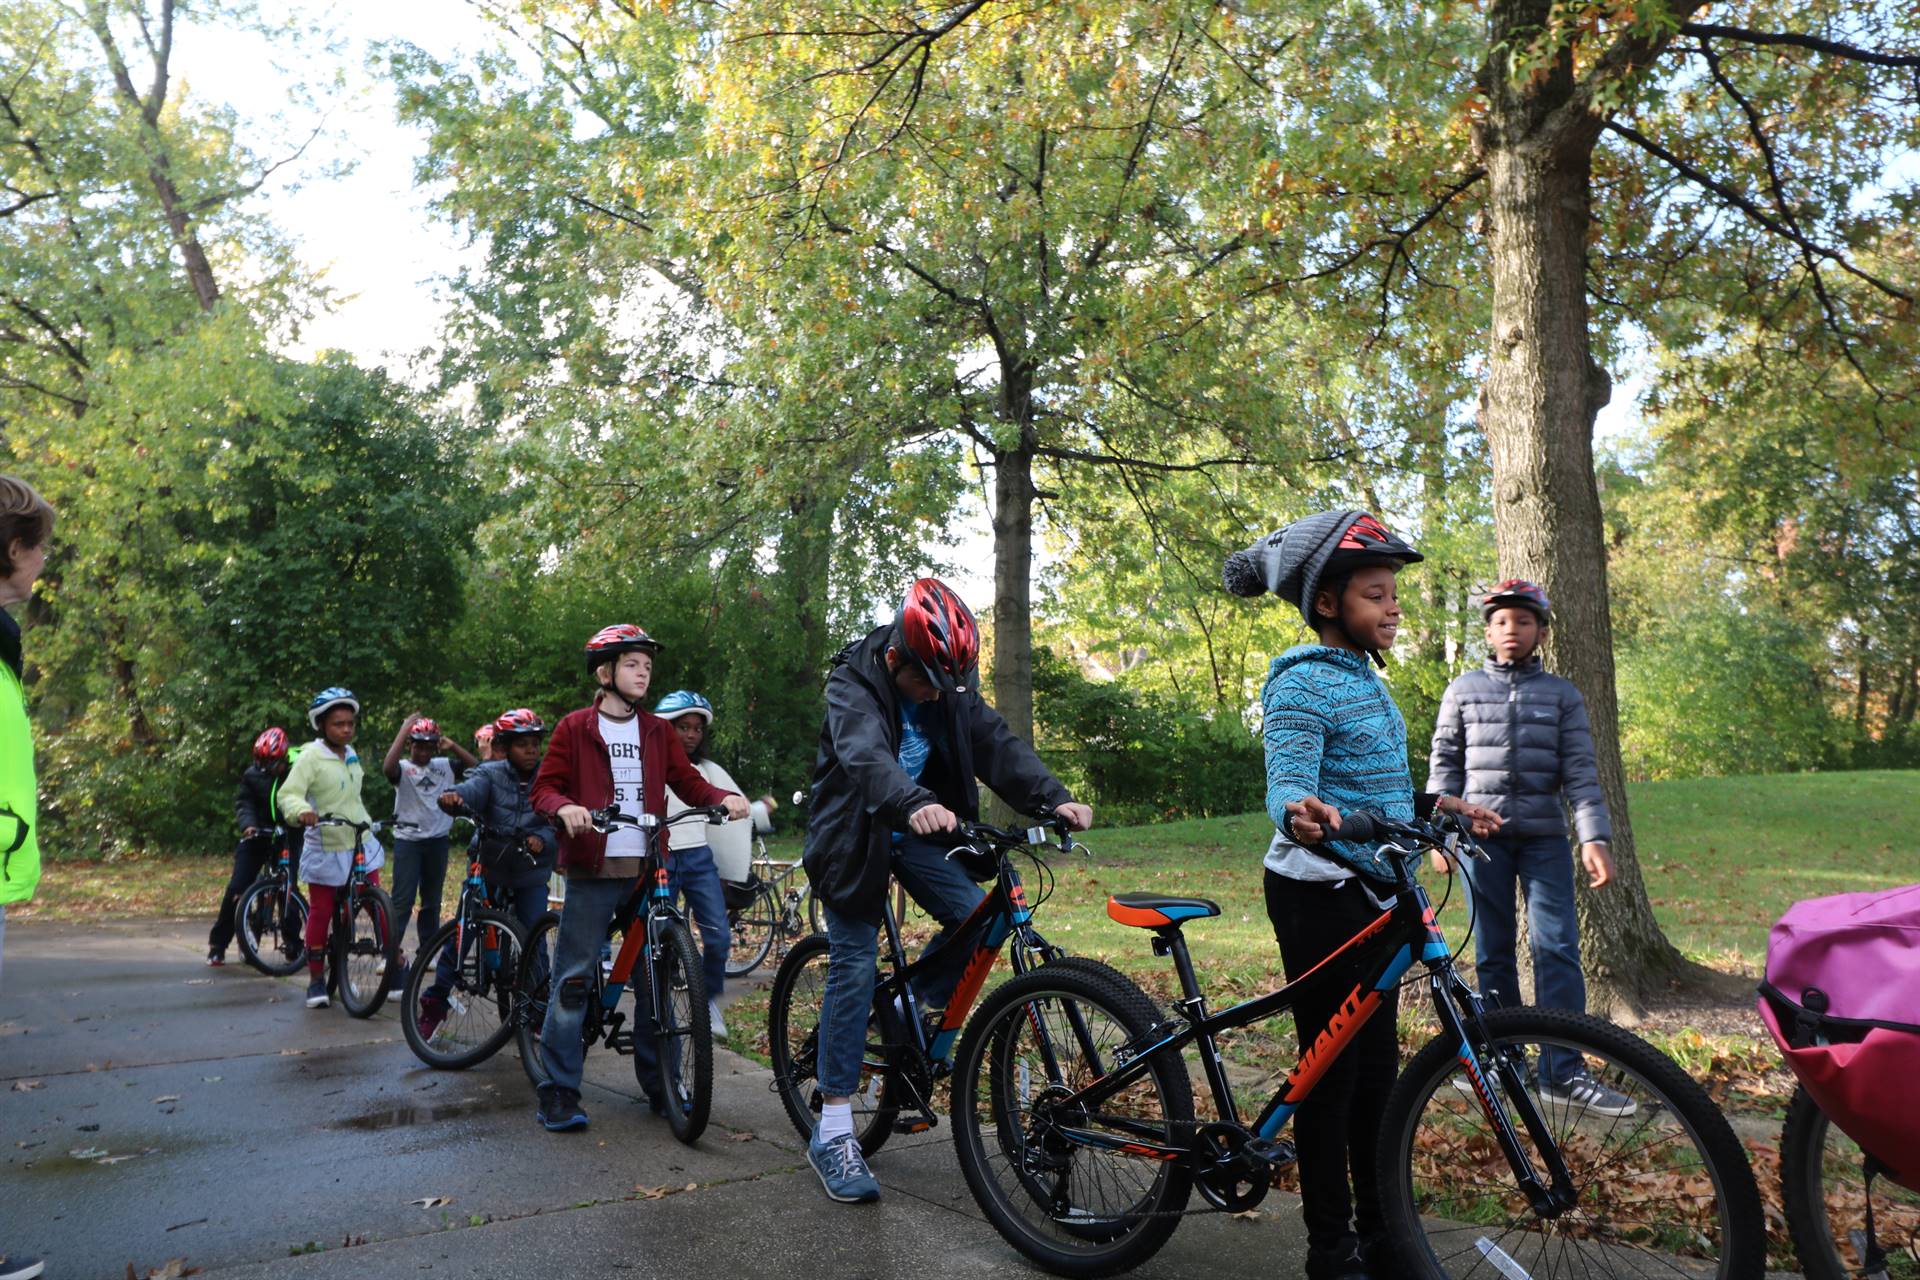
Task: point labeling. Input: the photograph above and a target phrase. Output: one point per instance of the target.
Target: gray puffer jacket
(1510, 737)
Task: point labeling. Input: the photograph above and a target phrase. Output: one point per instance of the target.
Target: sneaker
(317, 994)
(18, 1268)
(432, 1014)
(216, 958)
(843, 1170)
(560, 1109)
(715, 1022)
(1588, 1094)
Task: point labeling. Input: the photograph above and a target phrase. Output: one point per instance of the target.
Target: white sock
(836, 1120)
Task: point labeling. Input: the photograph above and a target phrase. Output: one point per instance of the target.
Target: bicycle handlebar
(1364, 826)
(609, 818)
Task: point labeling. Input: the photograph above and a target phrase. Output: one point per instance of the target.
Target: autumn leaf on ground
(22, 1086)
(431, 1202)
(168, 1097)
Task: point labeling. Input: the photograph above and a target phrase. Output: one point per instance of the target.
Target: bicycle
(1075, 1124)
(272, 915)
(676, 991)
(472, 965)
(767, 910)
(360, 941)
(905, 1056)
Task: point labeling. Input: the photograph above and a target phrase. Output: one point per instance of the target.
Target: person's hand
(770, 802)
(309, 818)
(1313, 819)
(248, 833)
(1598, 860)
(575, 818)
(536, 846)
(446, 743)
(737, 807)
(1079, 816)
(450, 801)
(1442, 865)
(930, 819)
(407, 724)
(1481, 820)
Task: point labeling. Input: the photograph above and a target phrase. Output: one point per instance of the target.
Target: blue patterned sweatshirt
(1332, 730)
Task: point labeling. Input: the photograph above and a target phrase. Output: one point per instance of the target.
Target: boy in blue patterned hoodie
(1335, 741)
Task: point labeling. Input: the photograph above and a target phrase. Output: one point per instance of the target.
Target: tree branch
(1853, 53)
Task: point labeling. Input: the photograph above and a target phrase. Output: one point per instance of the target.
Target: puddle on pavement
(400, 1117)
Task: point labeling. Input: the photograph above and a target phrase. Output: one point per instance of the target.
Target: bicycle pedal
(914, 1124)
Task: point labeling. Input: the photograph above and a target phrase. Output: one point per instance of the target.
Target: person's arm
(293, 791)
(391, 765)
(858, 734)
(473, 791)
(463, 759)
(1007, 763)
(691, 785)
(553, 781)
(1580, 772)
(1447, 765)
(246, 812)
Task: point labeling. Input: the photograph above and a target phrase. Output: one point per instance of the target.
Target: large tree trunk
(1013, 585)
(1542, 392)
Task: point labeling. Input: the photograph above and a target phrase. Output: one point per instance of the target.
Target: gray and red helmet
(424, 730)
(518, 721)
(1293, 562)
(938, 630)
(1515, 593)
(622, 637)
(271, 746)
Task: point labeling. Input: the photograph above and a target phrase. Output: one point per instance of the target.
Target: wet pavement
(154, 1109)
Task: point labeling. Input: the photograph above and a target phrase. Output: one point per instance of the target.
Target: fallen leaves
(431, 1202)
(171, 1269)
(167, 1097)
(23, 1086)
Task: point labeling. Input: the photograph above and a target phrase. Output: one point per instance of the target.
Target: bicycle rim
(273, 926)
(793, 1022)
(476, 992)
(530, 1014)
(1662, 1190)
(753, 928)
(685, 1039)
(1824, 1187)
(362, 953)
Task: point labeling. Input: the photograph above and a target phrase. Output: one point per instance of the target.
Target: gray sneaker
(1589, 1095)
(843, 1170)
(15, 1267)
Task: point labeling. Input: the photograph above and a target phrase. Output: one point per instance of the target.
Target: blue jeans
(590, 909)
(419, 867)
(853, 950)
(525, 902)
(1543, 866)
(692, 873)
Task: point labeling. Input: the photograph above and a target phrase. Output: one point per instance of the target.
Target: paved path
(254, 1128)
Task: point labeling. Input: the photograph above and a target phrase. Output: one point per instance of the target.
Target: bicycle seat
(1157, 910)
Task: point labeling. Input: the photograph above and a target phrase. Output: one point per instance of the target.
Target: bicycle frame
(1383, 951)
(652, 907)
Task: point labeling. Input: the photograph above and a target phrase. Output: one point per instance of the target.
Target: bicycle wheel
(472, 993)
(1073, 1207)
(793, 1022)
(273, 928)
(754, 927)
(1663, 1188)
(1824, 1189)
(530, 1015)
(363, 952)
(685, 1036)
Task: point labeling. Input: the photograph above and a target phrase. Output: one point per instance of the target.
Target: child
(419, 827)
(1335, 740)
(610, 752)
(325, 780)
(1513, 737)
(500, 794)
(697, 848)
(255, 808)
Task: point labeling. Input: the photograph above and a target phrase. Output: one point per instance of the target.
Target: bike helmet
(1515, 593)
(611, 642)
(424, 730)
(939, 631)
(329, 698)
(516, 722)
(1296, 561)
(684, 702)
(270, 747)
(483, 736)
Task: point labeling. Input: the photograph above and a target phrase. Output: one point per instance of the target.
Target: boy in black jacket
(256, 808)
(905, 738)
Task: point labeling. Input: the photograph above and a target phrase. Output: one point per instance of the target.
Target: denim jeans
(591, 906)
(692, 873)
(525, 902)
(1543, 866)
(853, 949)
(248, 857)
(419, 867)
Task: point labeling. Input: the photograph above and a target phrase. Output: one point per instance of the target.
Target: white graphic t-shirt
(417, 814)
(623, 752)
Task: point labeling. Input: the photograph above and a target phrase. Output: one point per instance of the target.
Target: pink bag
(1842, 998)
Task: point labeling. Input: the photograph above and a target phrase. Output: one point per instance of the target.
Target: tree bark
(1013, 495)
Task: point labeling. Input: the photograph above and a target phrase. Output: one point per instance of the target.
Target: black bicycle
(905, 1056)
(675, 989)
(462, 999)
(362, 950)
(1076, 1128)
(272, 915)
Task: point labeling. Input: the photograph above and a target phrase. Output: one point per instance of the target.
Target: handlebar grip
(1358, 826)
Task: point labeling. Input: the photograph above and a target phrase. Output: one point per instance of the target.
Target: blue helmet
(682, 701)
(327, 699)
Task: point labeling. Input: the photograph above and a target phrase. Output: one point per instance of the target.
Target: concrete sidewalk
(152, 1108)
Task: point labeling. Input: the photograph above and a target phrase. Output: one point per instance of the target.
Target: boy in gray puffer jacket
(1513, 737)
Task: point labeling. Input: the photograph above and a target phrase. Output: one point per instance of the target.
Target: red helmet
(1515, 593)
(271, 746)
(940, 633)
(483, 736)
(622, 637)
(517, 721)
(424, 730)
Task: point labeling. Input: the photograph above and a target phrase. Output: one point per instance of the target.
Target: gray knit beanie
(1289, 562)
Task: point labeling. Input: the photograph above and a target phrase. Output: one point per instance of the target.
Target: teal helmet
(682, 701)
(327, 699)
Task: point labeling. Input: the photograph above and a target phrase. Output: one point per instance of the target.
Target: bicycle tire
(1806, 1166)
(684, 1040)
(534, 987)
(1717, 1191)
(1082, 1242)
(272, 928)
(793, 1016)
(361, 964)
(754, 928)
(486, 976)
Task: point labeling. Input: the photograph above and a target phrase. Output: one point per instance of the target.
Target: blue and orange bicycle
(1076, 1128)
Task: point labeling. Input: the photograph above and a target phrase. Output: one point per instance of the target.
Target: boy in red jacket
(609, 752)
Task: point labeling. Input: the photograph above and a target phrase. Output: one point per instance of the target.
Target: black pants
(248, 857)
(1338, 1126)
